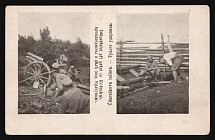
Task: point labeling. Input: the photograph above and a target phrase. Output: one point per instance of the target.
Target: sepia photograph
(152, 63)
(53, 63)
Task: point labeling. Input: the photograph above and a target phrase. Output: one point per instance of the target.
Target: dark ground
(32, 98)
(167, 99)
(24, 89)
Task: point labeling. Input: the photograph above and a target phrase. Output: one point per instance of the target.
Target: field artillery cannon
(39, 72)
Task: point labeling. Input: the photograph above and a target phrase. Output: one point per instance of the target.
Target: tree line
(78, 52)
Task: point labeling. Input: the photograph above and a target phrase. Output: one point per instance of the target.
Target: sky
(149, 27)
(65, 26)
(137, 27)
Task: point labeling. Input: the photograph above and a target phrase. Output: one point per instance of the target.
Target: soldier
(74, 74)
(58, 78)
(63, 58)
(173, 59)
(73, 99)
(151, 68)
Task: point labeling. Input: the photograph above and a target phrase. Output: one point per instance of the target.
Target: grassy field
(168, 99)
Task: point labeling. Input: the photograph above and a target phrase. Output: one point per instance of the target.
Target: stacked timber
(131, 55)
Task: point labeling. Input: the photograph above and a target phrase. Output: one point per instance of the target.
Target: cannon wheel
(37, 71)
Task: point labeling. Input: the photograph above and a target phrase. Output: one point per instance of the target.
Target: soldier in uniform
(73, 100)
(74, 74)
(58, 79)
(151, 68)
(63, 58)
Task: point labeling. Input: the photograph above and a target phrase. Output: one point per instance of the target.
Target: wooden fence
(134, 53)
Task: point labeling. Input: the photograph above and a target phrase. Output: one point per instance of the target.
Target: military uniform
(59, 84)
(152, 69)
(73, 100)
(74, 74)
(63, 59)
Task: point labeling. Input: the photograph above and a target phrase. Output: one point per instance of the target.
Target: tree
(78, 52)
(21, 44)
(45, 40)
(45, 34)
(26, 44)
(30, 42)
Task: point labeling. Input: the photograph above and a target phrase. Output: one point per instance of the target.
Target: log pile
(135, 54)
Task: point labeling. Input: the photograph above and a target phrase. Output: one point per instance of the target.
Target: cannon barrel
(33, 56)
(30, 58)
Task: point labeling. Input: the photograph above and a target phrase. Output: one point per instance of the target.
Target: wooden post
(120, 49)
(169, 45)
(164, 66)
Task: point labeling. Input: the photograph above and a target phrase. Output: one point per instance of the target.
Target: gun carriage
(39, 70)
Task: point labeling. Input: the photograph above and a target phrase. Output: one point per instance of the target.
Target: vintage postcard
(107, 70)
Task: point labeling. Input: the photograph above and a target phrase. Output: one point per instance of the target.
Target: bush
(22, 61)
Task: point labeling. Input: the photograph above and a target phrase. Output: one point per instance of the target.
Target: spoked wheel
(37, 71)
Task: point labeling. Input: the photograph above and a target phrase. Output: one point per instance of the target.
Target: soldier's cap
(55, 65)
(67, 81)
